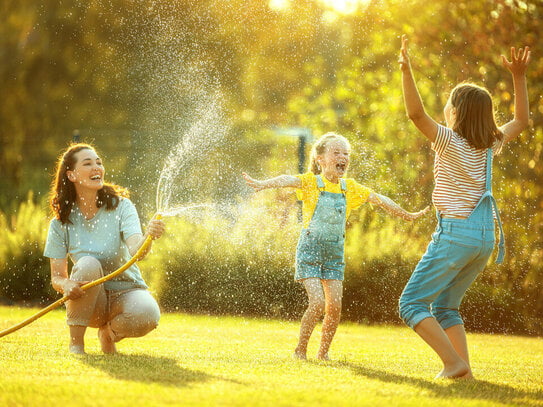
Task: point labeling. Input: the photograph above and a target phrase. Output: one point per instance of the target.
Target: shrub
(24, 272)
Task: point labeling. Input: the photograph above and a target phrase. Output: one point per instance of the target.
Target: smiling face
(88, 172)
(335, 160)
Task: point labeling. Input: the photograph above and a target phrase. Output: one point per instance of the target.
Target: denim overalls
(458, 252)
(321, 247)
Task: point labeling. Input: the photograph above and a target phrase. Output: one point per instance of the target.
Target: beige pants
(129, 313)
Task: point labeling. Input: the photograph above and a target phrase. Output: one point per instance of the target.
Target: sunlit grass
(202, 360)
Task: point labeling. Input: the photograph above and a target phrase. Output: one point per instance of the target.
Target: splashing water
(179, 210)
(206, 133)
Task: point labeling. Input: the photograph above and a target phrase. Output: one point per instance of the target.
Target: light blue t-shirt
(102, 237)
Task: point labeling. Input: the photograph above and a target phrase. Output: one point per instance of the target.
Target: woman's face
(335, 160)
(88, 172)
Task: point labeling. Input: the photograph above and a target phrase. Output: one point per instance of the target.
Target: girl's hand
(519, 61)
(404, 56)
(415, 215)
(253, 183)
(155, 228)
(72, 289)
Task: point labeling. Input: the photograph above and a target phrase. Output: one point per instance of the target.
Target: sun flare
(338, 6)
(346, 6)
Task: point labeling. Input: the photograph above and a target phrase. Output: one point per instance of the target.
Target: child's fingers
(525, 55)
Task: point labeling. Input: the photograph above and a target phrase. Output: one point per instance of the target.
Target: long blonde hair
(319, 148)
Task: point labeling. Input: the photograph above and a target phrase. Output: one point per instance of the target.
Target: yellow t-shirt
(356, 194)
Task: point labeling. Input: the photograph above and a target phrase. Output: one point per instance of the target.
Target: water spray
(204, 134)
(135, 257)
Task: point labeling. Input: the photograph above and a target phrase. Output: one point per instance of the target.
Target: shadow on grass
(463, 389)
(146, 368)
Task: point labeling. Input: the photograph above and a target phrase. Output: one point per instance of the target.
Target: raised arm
(517, 66)
(413, 102)
(393, 208)
(282, 181)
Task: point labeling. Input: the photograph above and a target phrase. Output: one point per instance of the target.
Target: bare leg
(77, 339)
(333, 292)
(313, 313)
(89, 308)
(132, 313)
(457, 336)
(107, 341)
(432, 333)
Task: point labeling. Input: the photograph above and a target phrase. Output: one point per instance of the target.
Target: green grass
(222, 361)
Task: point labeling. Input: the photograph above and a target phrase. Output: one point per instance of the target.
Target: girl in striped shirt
(466, 210)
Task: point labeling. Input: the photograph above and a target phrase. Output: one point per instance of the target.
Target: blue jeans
(458, 252)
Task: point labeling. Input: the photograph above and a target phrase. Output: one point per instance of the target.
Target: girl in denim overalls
(327, 200)
(464, 237)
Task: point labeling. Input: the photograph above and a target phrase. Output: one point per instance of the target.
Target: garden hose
(101, 280)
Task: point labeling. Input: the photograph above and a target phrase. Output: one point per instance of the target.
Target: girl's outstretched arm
(393, 208)
(282, 181)
(411, 97)
(517, 66)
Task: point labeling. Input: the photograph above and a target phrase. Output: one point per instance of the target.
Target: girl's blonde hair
(475, 115)
(319, 148)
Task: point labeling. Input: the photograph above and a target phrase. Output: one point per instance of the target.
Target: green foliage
(125, 73)
(214, 266)
(24, 272)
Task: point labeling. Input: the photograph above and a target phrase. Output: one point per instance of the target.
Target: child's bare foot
(455, 371)
(107, 341)
(323, 357)
(299, 355)
(468, 376)
(77, 350)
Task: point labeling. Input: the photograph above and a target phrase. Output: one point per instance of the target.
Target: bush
(243, 264)
(24, 272)
(243, 268)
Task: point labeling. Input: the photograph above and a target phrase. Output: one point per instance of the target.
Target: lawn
(232, 361)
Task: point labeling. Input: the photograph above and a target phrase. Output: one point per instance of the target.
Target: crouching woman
(98, 228)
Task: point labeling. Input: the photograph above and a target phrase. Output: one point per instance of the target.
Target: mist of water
(205, 134)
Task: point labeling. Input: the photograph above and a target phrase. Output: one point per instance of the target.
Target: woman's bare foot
(456, 371)
(77, 350)
(107, 341)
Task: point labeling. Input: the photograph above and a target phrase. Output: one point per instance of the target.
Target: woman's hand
(72, 289)
(519, 61)
(253, 183)
(156, 228)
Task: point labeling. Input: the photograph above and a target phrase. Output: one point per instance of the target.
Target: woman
(97, 226)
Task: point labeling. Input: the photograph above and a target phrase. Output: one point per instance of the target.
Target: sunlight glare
(279, 5)
(346, 6)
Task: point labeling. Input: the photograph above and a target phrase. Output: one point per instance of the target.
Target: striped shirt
(459, 173)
